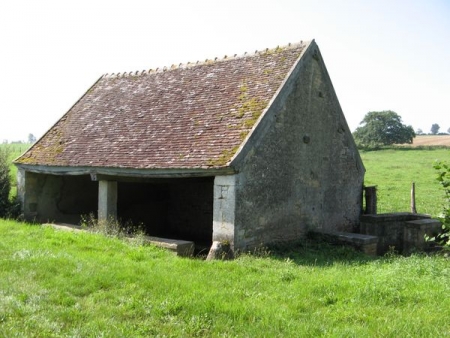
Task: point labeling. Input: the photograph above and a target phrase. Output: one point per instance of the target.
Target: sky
(380, 54)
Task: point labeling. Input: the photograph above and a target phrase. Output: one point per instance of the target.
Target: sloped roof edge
(54, 124)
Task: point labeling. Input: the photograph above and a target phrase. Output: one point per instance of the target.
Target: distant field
(431, 140)
(394, 170)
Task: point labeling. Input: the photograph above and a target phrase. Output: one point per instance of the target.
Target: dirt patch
(431, 140)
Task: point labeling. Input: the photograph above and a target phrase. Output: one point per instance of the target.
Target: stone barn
(251, 149)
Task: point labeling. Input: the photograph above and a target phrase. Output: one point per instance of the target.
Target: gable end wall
(300, 169)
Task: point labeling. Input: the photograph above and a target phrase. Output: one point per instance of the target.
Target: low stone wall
(392, 230)
(415, 231)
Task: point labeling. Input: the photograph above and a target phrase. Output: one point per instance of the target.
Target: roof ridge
(206, 62)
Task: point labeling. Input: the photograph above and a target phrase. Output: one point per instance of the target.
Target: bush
(443, 178)
(9, 208)
(5, 183)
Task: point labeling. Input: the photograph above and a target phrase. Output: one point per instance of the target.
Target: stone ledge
(65, 226)
(365, 243)
(180, 247)
(424, 223)
(396, 216)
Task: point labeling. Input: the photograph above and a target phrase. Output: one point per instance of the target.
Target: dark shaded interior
(79, 196)
(62, 199)
(180, 208)
(177, 208)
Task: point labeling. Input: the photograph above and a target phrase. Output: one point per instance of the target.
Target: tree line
(384, 128)
(434, 130)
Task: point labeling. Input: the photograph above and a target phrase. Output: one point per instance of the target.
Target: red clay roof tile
(193, 116)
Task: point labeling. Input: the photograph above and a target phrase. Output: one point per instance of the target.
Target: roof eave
(128, 172)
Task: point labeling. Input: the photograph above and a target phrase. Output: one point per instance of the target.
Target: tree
(31, 138)
(435, 128)
(448, 130)
(419, 131)
(5, 184)
(381, 128)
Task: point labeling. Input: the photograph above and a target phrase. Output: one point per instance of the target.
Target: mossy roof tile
(192, 116)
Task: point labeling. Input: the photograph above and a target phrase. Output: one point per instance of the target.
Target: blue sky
(381, 55)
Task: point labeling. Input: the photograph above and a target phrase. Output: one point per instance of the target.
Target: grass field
(394, 170)
(59, 284)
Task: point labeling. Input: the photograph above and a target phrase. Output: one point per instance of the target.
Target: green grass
(394, 170)
(60, 284)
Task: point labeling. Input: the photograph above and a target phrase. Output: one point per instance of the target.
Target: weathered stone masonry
(301, 169)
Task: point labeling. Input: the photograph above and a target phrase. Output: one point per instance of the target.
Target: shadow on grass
(318, 253)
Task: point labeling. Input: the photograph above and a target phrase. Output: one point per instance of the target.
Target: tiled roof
(189, 116)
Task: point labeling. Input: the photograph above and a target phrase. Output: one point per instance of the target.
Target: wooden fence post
(413, 198)
(371, 200)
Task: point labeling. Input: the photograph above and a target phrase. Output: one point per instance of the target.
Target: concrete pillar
(224, 208)
(107, 200)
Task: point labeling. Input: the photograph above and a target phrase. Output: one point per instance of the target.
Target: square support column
(224, 208)
(107, 200)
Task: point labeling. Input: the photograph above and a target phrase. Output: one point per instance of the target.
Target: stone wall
(390, 229)
(300, 170)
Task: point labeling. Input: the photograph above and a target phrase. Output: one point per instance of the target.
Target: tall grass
(394, 170)
(54, 283)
